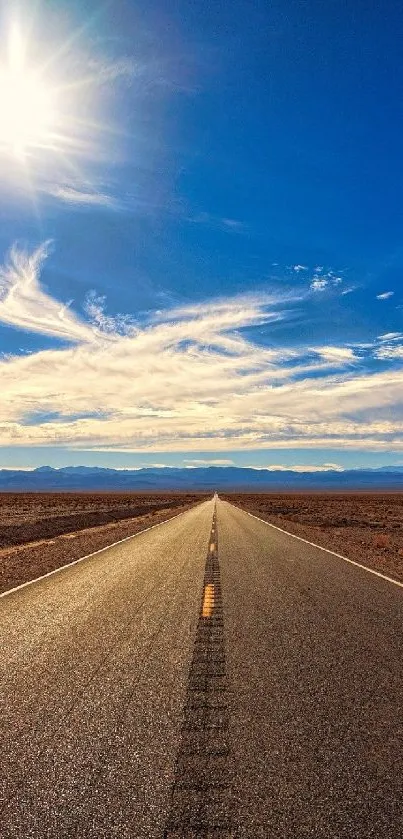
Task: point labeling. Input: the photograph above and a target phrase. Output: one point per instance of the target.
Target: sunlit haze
(27, 106)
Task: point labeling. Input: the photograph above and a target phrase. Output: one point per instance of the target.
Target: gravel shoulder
(21, 563)
(367, 528)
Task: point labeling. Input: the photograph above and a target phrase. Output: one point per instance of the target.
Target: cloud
(202, 462)
(304, 467)
(230, 225)
(390, 346)
(153, 466)
(298, 268)
(319, 283)
(336, 353)
(102, 71)
(186, 379)
(390, 352)
(25, 305)
(107, 325)
(76, 196)
(391, 336)
(18, 468)
(385, 295)
(323, 279)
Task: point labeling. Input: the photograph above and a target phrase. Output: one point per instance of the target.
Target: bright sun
(52, 120)
(27, 107)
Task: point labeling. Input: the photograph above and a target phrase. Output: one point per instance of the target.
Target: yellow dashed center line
(208, 601)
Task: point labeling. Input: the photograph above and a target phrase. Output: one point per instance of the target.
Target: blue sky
(201, 233)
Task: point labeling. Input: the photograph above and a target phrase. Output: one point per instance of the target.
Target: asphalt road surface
(212, 677)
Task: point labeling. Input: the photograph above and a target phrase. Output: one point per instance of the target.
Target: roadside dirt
(39, 533)
(365, 527)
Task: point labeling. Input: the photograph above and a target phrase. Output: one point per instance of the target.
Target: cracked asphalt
(95, 674)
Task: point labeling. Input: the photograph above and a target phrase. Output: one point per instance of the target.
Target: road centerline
(200, 796)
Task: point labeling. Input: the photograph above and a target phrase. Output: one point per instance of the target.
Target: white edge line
(88, 556)
(332, 553)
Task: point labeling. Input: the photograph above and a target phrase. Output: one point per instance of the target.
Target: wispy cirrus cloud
(385, 295)
(24, 304)
(229, 225)
(80, 196)
(187, 379)
(391, 336)
(101, 71)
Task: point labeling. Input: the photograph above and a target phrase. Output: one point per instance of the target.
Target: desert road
(211, 677)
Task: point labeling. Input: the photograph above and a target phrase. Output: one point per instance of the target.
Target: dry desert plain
(42, 531)
(365, 527)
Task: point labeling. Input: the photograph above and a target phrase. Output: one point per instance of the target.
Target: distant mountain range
(204, 479)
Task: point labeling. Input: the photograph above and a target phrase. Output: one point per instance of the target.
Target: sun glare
(53, 126)
(27, 107)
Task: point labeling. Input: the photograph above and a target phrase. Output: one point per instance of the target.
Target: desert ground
(367, 528)
(42, 531)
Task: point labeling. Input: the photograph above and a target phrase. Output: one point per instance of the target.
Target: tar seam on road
(87, 556)
(200, 799)
(321, 548)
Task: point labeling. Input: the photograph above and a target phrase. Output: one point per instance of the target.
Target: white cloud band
(189, 380)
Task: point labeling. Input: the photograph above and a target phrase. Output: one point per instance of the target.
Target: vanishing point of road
(211, 677)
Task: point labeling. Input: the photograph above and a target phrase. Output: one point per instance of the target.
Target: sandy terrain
(365, 527)
(40, 532)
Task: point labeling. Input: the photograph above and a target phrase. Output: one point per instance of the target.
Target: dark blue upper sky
(218, 154)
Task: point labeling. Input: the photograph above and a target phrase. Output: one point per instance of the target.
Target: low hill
(210, 478)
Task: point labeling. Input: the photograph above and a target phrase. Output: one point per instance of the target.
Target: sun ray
(27, 103)
(31, 190)
(51, 122)
(75, 37)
